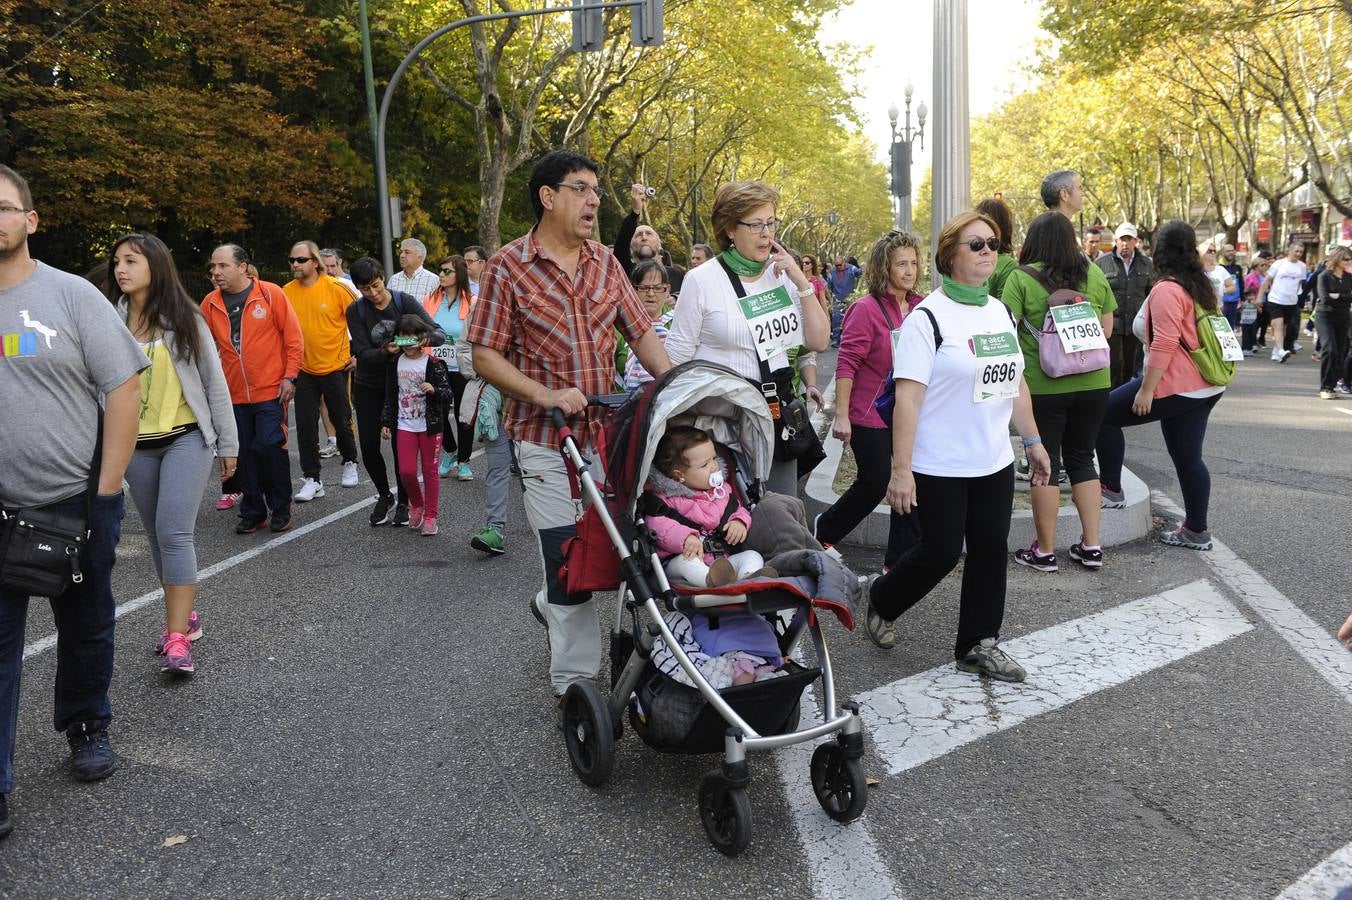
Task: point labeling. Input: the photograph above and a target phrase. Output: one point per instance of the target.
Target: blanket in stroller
(718, 669)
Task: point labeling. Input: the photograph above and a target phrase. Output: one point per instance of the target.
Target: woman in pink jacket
(863, 365)
(1170, 390)
(692, 509)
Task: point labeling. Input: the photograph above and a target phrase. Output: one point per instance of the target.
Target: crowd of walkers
(144, 383)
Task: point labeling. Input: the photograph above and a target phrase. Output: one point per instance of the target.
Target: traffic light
(1000, 195)
(646, 20)
(589, 27)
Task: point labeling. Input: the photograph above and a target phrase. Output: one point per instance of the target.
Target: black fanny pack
(42, 546)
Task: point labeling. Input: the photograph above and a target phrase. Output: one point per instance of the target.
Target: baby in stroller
(695, 515)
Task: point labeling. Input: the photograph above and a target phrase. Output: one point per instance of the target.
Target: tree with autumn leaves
(245, 120)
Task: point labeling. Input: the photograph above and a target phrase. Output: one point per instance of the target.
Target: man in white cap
(1129, 272)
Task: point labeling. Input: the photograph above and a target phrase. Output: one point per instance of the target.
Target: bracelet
(1035, 439)
(806, 292)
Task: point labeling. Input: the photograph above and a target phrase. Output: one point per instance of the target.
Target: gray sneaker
(1183, 537)
(879, 630)
(987, 659)
(1112, 499)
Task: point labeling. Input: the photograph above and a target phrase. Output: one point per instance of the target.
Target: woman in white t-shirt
(711, 322)
(1222, 282)
(1280, 293)
(959, 375)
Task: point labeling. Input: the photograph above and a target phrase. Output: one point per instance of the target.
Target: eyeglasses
(10, 210)
(471, 260)
(581, 187)
(991, 243)
(760, 227)
(653, 288)
(299, 260)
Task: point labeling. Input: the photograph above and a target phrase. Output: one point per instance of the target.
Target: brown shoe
(765, 572)
(721, 573)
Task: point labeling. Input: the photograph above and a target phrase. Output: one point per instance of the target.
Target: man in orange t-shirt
(321, 302)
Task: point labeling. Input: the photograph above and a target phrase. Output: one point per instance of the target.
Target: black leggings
(369, 401)
(464, 434)
(873, 457)
(1332, 326)
(947, 512)
(1069, 426)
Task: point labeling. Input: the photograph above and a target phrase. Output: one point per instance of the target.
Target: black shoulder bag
(795, 437)
(43, 545)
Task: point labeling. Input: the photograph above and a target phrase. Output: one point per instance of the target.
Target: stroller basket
(677, 719)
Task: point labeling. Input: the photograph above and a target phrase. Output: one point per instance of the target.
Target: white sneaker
(1277, 354)
(349, 474)
(309, 490)
(328, 450)
(1297, 346)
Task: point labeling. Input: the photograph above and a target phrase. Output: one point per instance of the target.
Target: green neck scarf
(740, 264)
(965, 294)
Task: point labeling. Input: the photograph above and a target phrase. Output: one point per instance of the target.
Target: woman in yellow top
(185, 416)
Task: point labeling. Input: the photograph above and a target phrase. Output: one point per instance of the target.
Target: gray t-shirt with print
(62, 346)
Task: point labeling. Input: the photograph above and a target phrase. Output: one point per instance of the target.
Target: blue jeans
(1183, 424)
(84, 625)
(263, 472)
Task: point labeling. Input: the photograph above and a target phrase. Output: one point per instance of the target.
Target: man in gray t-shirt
(62, 347)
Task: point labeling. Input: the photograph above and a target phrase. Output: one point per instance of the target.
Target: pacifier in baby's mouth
(716, 485)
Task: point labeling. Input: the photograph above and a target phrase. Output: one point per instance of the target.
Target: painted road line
(131, 606)
(922, 717)
(1315, 642)
(843, 859)
(1325, 881)
(1346, 412)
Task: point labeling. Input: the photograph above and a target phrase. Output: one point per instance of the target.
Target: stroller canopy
(703, 394)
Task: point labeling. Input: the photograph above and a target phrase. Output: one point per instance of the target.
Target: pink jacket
(866, 353)
(1171, 318)
(700, 507)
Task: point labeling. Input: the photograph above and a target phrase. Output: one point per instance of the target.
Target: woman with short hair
(998, 212)
(863, 366)
(959, 380)
(1069, 407)
(1333, 290)
(711, 322)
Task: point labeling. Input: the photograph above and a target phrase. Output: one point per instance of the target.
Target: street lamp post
(901, 156)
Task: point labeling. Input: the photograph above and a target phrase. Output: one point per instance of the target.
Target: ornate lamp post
(901, 156)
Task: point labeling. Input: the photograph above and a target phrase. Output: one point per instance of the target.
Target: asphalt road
(370, 718)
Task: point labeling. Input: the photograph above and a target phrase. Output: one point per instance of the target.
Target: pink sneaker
(415, 516)
(194, 632)
(178, 655)
(228, 501)
(429, 526)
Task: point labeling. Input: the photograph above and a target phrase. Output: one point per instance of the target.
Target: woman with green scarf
(713, 323)
(958, 371)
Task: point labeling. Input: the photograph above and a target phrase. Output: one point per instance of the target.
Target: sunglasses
(991, 243)
(299, 260)
(447, 271)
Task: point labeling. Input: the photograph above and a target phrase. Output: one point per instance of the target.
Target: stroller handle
(609, 401)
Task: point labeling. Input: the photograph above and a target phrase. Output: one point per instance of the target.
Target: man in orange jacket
(259, 339)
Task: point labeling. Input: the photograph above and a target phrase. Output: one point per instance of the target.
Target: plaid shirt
(557, 332)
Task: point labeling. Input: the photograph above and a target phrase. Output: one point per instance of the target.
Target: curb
(1119, 526)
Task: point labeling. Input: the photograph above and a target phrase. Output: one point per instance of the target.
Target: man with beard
(64, 346)
(635, 243)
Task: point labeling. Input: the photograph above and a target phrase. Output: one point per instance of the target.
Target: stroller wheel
(725, 812)
(839, 783)
(589, 733)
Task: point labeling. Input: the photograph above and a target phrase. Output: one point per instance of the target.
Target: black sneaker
(1034, 559)
(1090, 559)
(91, 753)
(383, 511)
(249, 526)
(400, 515)
(6, 824)
(281, 520)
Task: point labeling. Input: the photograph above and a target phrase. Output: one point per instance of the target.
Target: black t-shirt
(1335, 292)
(234, 307)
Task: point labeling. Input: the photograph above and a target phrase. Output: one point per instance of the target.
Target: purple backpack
(1053, 359)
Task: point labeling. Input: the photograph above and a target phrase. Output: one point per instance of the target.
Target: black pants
(369, 401)
(873, 456)
(464, 434)
(947, 512)
(1332, 326)
(1125, 354)
(1069, 426)
(333, 388)
(1291, 316)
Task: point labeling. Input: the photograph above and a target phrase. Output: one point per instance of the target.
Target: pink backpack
(1053, 359)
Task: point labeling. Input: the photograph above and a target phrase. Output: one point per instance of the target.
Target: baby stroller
(613, 550)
